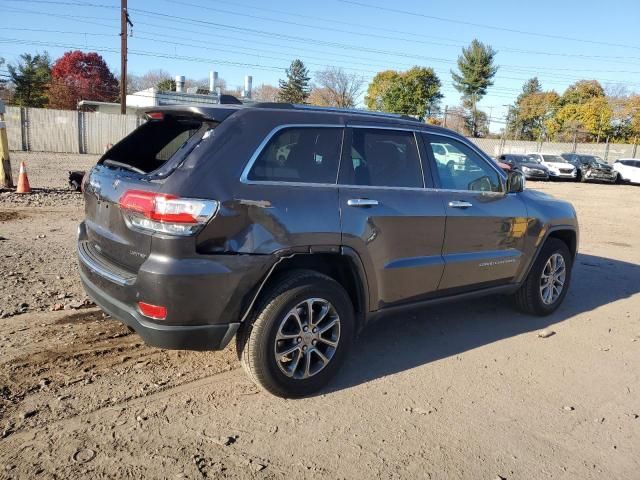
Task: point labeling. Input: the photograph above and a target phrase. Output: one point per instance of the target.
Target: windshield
(591, 159)
(553, 158)
(533, 158)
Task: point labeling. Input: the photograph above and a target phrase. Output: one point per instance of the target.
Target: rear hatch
(141, 162)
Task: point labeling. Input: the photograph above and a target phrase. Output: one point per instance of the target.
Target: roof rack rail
(315, 108)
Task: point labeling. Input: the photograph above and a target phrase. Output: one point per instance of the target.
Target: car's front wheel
(548, 281)
(300, 334)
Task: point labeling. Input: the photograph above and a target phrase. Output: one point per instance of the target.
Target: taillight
(162, 213)
(155, 115)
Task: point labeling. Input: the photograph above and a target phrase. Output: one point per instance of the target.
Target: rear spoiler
(214, 112)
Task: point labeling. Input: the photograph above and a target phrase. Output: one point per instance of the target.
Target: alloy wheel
(552, 279)
(307, 338)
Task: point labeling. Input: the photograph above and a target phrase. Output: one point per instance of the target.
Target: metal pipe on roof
(180, 83)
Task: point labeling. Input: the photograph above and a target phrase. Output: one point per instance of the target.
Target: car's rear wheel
(300, 334)
(548, 281)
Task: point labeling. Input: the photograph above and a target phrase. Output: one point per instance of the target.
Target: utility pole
(124, 21)
(444, 120)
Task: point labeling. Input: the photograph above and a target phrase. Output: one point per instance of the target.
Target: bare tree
(321, 97)
(265, 93)
(341, 88)
(152, 78)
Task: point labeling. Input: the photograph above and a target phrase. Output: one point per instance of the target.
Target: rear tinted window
(300, 154)
(383, 158)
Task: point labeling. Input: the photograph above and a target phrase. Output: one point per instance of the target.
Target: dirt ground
(457, 391)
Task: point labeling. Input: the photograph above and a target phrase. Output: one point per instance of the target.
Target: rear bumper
(177, 337)
(205, 296)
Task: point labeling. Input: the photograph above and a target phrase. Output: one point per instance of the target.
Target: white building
(153, 97)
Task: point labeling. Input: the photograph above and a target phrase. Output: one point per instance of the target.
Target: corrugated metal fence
(608, 151)
(68, 131)
(65, 131)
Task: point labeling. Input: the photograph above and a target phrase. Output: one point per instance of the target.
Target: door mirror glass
(515, 182)
(482, 184)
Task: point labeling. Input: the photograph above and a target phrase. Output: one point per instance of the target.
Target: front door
(485, 227)
(388, 217)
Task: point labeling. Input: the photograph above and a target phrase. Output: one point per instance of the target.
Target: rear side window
(382, 158)
(300, 154)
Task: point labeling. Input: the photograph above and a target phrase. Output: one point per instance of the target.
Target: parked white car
(447, 156)
(628, 169)
(558, 167)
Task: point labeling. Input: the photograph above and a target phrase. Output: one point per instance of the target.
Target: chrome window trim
(244, 177)
(424, 188)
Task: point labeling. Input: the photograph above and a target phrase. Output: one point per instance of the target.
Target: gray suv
(292, 227)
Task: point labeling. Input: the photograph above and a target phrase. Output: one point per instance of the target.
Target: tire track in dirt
(73, 364)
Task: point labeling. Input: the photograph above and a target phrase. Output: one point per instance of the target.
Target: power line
(491, 27)
(433, 59)
(495, 89)
(367, 34)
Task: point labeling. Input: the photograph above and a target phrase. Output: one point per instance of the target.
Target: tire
(529, 298)
(257, 343)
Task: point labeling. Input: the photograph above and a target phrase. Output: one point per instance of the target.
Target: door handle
(362, 202)
(460, 204)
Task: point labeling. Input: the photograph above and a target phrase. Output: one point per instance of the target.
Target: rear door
(388, 217)
(141, 161)
(485, 227)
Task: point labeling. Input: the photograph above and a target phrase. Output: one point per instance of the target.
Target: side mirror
(515, 182)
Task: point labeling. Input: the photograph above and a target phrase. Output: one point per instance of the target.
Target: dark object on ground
(75, 180)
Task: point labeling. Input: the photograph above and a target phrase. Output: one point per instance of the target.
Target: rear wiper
(114, 163)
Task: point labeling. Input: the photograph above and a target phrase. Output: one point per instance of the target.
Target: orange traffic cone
(23, 180)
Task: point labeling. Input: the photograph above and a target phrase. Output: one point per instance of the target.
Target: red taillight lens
(156, 312)
(164, 213)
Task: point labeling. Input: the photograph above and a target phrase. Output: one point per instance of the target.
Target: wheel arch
(341, 264)
(565, 233)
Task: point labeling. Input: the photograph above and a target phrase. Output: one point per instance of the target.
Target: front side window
(300, 154)
(383, 158)
(464, 169)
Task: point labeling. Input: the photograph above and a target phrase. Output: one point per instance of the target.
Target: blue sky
(235, 38)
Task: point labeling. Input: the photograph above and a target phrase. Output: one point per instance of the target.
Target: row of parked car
(571, 166)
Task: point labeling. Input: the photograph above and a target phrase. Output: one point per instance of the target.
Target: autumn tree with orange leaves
(81, 76)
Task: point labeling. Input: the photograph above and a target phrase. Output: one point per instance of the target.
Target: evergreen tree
(166, 85)
(295, 89)
(476, 71)
(31, 78)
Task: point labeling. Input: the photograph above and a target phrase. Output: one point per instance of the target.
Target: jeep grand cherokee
(292, 227)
